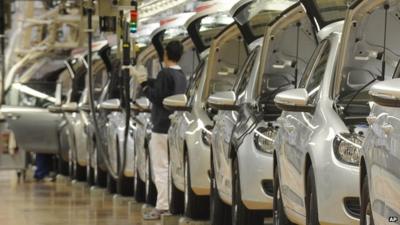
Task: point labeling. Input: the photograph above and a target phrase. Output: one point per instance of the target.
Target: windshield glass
(260, 13)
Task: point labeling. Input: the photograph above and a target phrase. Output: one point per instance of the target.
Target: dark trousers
(43, 165)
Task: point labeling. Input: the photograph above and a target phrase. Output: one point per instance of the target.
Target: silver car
(323, 124)
(380, 157)
(117, 119)
(243, 135)
(172, 30)
(380, 153)
(189, 149)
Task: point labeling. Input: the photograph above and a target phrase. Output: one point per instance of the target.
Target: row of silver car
(291, 112)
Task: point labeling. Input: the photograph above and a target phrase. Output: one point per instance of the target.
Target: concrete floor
(62, 203)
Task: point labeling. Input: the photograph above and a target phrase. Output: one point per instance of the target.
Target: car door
(377, 148)
(390, 170)
(299, 128)
(227, 121)
(34, 127)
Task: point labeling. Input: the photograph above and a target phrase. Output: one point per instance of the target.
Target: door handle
(371, 119)
(387, 128)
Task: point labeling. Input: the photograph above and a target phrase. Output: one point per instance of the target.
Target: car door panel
(391, 169)
(35, 129)
(375, 146)
(292, 155)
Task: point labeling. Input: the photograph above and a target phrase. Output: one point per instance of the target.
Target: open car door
(26, 113)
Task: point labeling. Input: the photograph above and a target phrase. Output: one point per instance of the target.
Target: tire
(240, 213)
(101, 177)
(63, 167)
(139, 188)
(220, 213)
(80, 172)
(151, 190)
(125, 186)
(111, 184)
(90, 176)
(366, 210)
(279, 215)
(196, 207)
(311, 200)
(175, 196)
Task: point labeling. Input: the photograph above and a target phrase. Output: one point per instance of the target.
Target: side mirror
(54, 109)
(223, 101)
(111, 105)
(141, 105)
(70, 107)
(176, 103)
(386, 93)
(295, 100)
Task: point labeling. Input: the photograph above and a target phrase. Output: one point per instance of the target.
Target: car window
(312, 79)
(33, 94)
(245, 74)
(194, 82)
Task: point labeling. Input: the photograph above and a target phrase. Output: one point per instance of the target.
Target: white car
(172, 29)
(380, 153)
(243, 135)
(324, 121)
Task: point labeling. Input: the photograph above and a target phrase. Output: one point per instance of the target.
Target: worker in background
(170, 81)
(44, 164)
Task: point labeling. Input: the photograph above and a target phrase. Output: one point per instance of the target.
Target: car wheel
(151, 190)
(175, 196)
(280, 217)
(80, 172)
(366, 210)
(311, 200)
(63, 166)
(90, 175)
(240, 213)
(139, 188)
(219, 212)
(196, 207)
(125, 185)
(101, 177)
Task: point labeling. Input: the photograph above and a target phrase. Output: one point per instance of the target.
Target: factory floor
(62, 203)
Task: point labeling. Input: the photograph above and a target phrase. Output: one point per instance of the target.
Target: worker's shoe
(154, 214)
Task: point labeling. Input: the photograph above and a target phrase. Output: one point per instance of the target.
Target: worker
(170, 81)
(43, 166)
